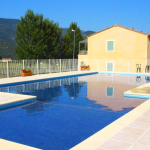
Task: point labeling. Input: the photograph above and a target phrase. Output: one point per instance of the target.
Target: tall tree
(68, 41)
(52, 36)
(36, 37)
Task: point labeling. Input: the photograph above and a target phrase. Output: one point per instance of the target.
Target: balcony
(84, 50)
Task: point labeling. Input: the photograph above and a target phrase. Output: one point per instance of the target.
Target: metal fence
(117, 65)
(40, 66)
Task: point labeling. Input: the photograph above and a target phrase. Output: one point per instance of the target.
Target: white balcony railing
(83, 52)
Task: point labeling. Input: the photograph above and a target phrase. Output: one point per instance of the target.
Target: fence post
(97, 64)
(60, 64)
(128, 65)
(73, 64)
(49, 66)
(78, 65)
(145, 65)
(37, 66)
(23, 63)
(69, 65)
(7, 70)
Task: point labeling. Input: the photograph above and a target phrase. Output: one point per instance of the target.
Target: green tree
(37, 38)
(52, 39)
(68, 41)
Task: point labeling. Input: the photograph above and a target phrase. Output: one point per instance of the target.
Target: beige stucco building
(117, 48)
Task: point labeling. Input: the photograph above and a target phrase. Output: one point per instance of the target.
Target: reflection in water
(38, 106)
(138, 78)
(73, 89)
(110, 91)
(115, 86)
(47, 91)
(147, 78)
(100, 91)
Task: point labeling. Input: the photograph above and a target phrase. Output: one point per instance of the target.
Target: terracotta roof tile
(117, 25)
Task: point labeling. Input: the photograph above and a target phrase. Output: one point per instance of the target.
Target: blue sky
(92, 15)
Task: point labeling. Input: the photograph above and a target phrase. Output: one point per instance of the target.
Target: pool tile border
(139, 92)
(41, 78)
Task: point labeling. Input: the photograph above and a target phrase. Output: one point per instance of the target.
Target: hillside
(7, 36)
(86, 33)
(7, 49)
(8, 29)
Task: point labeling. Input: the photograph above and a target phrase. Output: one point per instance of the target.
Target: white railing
(39, 66)
(42, 66)
(119, 65)
(83, 52)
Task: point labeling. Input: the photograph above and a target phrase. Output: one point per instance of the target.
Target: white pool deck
(130, 132)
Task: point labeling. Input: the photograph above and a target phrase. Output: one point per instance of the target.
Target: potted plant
(27, 72)
(85, 67)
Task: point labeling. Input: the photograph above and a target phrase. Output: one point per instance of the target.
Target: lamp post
(73, 47)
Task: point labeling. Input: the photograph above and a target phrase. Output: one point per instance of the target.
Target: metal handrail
(83, 52)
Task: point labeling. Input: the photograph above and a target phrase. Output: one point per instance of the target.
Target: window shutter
(109, 66)
(110, 45)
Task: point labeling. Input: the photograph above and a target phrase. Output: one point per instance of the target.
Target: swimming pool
(67, 110)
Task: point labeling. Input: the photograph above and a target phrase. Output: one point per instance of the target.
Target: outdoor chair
(138, 67)
(147, 68)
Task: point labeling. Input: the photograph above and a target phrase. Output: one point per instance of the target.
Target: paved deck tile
(116, 145)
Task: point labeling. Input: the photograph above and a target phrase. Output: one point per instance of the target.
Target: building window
(109, 91)
(110, 46)
(109, 66)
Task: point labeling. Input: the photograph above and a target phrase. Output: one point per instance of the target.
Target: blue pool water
(68, 110)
